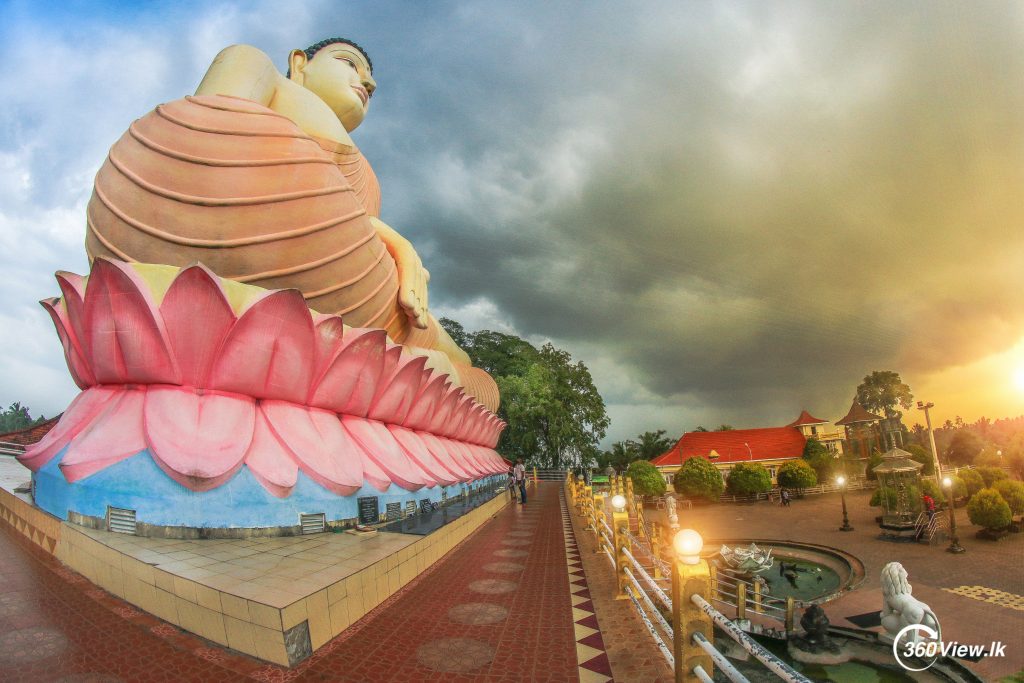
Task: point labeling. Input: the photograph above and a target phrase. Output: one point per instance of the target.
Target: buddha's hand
(412, 276)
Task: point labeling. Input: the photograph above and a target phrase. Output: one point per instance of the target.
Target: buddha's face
(339, 75)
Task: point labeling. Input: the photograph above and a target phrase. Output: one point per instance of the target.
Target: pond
(800, 579)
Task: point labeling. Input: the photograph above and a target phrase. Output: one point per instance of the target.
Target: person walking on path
(520, 476)
(512, 482)
(785, 498)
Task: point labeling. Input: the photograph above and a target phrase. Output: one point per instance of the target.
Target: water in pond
(799, 579)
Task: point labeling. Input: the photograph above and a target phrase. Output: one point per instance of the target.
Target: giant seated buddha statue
(252, 342)
(256, 177)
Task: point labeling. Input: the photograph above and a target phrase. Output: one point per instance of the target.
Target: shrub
(647, 480)
(972, 480)
(922, 455)
(747, 478)
(990, 475)
(890, 497)
(929, 487)
(797, 474)
(988, 509)
(698, 478)
(959, 487)
(874, 461)
(1013, 493)
(819, 457)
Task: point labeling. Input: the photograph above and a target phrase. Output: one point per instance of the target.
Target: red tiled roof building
(768, 446)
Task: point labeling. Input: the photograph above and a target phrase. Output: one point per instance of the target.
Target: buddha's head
(340, 73)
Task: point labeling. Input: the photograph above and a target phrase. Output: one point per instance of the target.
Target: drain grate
(313, 523)
(120, 521)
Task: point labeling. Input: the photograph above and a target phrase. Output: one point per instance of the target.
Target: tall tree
(724, 428)
(650, 445)
(883, 391)
(554, 413)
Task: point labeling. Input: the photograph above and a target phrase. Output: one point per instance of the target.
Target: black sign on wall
(369, 510)
(394, 511)
(425, 506)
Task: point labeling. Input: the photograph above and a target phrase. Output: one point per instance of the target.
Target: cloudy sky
(729, 211)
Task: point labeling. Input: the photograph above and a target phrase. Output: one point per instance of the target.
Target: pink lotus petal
(453, 425)
(471, 457)
(396, 397)
(124, 337)
(319, 445)
(489, 457)
(269, 352)
(468, 465)
(468, 431)
(419, 453)
(114, 435)
(372, 472)
(86, 406)
(198, 440)
(426, 403)
(439, 420)
(349, 383)
(443, 457)
(269, 460)
(328, 342)
(72, 288)
(198, 318)
(381, 447)
(73, 355)
(392, 356)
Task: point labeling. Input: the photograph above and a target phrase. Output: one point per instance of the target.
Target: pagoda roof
(806, 419)
(858, 414)
(897, 460)
(735, 445)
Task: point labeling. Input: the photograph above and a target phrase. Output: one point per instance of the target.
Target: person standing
(512, 482)
(520, 476)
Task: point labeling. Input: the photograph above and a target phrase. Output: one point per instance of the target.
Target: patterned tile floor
(996, 597)
(498, 608)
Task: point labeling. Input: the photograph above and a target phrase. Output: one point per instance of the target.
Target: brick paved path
(496, 609)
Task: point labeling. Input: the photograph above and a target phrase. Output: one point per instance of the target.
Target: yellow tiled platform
(248, 594)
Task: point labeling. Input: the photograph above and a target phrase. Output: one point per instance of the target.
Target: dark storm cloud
(750, 204)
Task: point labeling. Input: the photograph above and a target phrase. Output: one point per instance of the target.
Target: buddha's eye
(349, 62)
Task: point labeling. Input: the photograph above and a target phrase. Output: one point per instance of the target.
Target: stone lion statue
(901, 609)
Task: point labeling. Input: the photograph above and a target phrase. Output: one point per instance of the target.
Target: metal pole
(846, 519)
(954, 541)
(741, 600)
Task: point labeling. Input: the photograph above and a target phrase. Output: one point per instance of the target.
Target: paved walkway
(499, 607)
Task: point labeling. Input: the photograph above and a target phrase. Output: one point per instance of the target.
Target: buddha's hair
(316, 47)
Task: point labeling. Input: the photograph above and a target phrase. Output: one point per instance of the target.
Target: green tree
(874, 460)
(647, 480)
(618, 456)
(698, 478)
(820, 458)
(964, 447)
(17, 417)
(701, 428)
(990, 475)
(797, 474)
(922, 455)
(928, 486)
(748, 478)
(959, 487)
(650, 445)
(988, 509)
(724, 428)
(972, 480)
(1013, 493)
(884, 392)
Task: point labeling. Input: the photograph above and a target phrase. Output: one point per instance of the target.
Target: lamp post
(750, 452)
(921, 405)
(954, 541)
(690, 575)
(841, 480)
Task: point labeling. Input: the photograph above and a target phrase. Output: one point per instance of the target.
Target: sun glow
(1018, 378)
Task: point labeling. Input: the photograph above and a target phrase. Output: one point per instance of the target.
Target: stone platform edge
(284, 636)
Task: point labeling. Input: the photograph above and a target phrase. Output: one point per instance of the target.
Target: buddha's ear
(296, 63)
